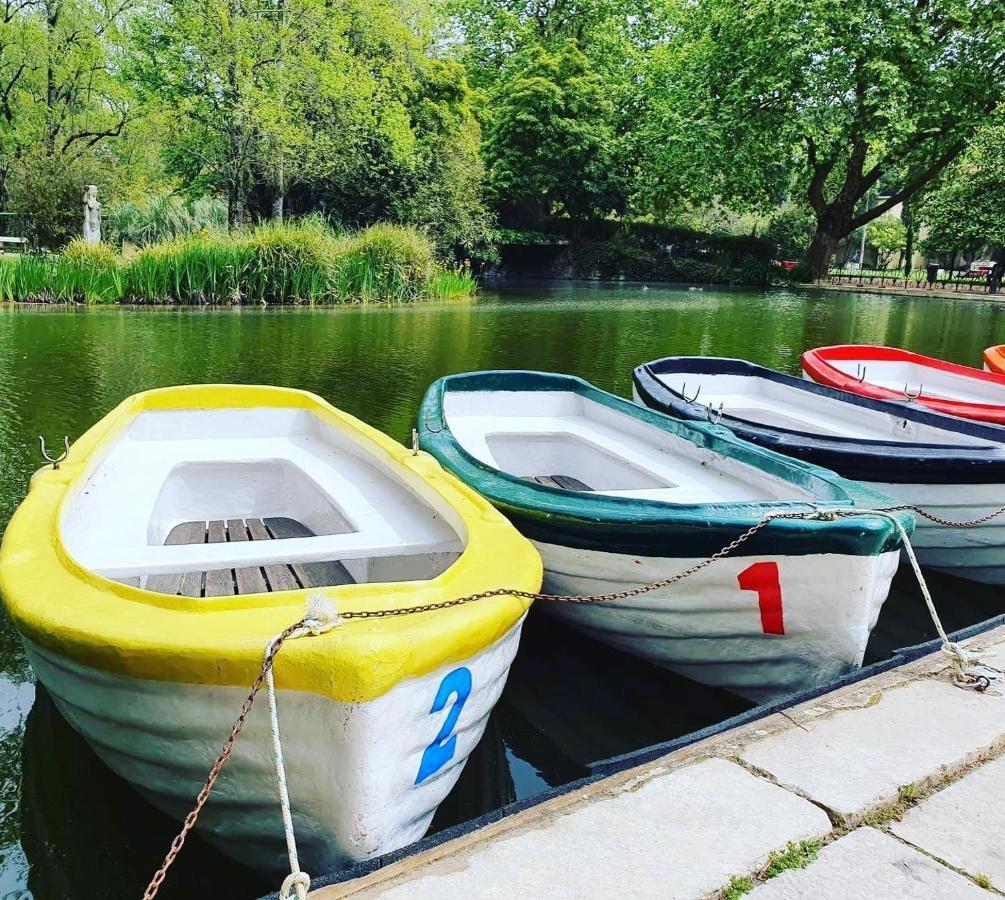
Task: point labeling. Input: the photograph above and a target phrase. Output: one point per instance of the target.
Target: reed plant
(302, 262)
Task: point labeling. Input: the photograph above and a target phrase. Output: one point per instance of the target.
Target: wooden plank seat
(249, 579)
(565, 482)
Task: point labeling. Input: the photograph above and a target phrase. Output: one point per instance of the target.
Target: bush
(790, 231)
(164, 218)
(47, 192)
(385, 262)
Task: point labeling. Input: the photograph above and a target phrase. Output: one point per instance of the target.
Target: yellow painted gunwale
(124, 630)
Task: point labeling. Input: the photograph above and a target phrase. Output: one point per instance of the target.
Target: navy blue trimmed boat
(953, 467)
(616, 496)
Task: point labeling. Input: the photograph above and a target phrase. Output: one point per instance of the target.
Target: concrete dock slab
(728, 812)
(964, 824)
(868, 863)
(676, 835)
(854, 761)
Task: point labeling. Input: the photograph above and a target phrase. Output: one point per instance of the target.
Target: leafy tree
(551, 142)
(752, 97)
(887, 235)
(966, 209)
(263, 90)
(791, 228)
(60, 104)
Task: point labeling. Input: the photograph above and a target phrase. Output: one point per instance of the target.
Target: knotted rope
(321, 617)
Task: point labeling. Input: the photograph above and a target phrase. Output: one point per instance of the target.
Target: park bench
(20, 242)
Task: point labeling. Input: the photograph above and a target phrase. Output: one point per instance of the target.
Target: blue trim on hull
(885, 462)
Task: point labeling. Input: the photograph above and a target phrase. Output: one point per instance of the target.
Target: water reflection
(68, 828)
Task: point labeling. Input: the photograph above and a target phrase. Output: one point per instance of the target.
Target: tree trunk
(818, 257)
(235, 206)
(278, 200)
(907, 217)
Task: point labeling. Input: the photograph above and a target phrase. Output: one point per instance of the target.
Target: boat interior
(912, 379)
(566, 440)
(208, 503)
(789, 406)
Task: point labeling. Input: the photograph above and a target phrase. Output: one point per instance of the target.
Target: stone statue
(92, 215)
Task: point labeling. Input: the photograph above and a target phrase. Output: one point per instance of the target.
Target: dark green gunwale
(652, 527)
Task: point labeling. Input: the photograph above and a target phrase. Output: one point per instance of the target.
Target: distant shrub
(164, 218)
(385, 262)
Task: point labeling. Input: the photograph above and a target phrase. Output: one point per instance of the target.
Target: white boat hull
(352, 767)
(712, 630)
(976, 553)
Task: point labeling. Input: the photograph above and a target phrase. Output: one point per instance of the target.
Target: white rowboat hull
(712, 630)
(977, 553)
(352, 768)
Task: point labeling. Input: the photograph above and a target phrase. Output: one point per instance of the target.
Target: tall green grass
(303, 262)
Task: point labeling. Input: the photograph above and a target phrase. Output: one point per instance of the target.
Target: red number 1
(762, 578)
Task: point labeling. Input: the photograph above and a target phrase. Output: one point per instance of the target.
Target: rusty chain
(221, 761)
(228, 747)
(949, 523)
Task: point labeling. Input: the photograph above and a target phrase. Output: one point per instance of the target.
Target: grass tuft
(795, 856)
(301, 262)
(737, 888)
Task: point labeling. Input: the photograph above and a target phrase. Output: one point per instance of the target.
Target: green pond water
(68, 828)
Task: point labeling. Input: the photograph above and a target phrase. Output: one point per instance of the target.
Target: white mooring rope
(964, 663)
(321, 617)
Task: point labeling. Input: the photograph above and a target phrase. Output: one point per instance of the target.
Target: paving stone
(854, 759)
(681, 834)
(866, 864)
(964, 823)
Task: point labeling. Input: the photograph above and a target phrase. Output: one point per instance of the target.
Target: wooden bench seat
(250, 579)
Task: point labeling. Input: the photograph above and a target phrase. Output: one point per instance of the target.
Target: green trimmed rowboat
(616, 496)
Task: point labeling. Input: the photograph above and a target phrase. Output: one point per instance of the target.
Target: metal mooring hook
(860, 372)
(911, 396)
(683, 393)
(55, 462)
(709, 414)
(415, 442)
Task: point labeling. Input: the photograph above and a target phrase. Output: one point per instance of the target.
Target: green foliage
(302, 262)
(551, 138)
(795, 856)
(889, 236)
(448, 284)
(737, 888)
(791, 230)
(965, 210)
(47, 193)
(79, 277)
(387, 262)
(836, 96)
(163, 217)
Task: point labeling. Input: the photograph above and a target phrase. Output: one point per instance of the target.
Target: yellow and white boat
(147, 573)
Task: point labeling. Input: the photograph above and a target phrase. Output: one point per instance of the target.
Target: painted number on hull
(762, 578)
(441, 750)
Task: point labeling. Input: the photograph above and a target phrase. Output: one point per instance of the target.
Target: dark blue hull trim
(882, 462)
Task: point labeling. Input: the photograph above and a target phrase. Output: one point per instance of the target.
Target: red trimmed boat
(888, 373)
(994, 359)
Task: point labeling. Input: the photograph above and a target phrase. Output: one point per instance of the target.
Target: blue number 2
(441, 750)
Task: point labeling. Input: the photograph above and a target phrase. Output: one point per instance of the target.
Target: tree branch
(912, 186)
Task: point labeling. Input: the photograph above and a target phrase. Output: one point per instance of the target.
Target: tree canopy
(758, 100)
